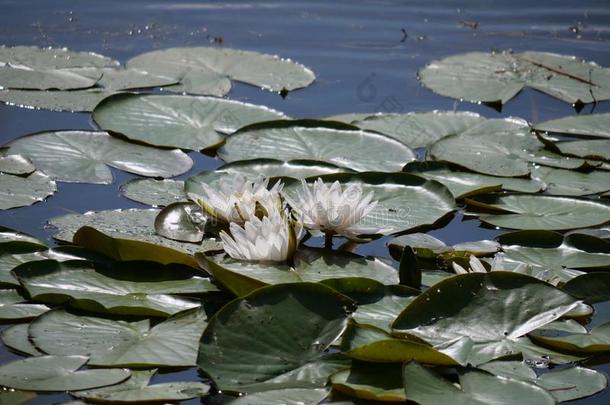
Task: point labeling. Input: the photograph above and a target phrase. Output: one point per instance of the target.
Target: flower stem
(328, 240)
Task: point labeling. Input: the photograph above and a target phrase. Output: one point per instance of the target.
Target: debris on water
(469, 24)
(404, 35)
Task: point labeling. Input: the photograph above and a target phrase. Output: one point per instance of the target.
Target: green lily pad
(287, 396)
(84, 156)
(340, 145)
(367, 343)
(428, 247)
(465, 184)
(206, 70)
(52, 58)
(73, 100)
(127, 235)
(187, 122)
(57, 373)
(310, 265)
(405, 201)
(157, 193)
(499, 147)
(14, 307)
(17, 338)
(497, 77)
(120, 288)
(594, 341)
(416, 129)
(380, 308)
(137, 389)
(424, 386)
(572, 183)
(495, 310)
(18, 191)
(371, 382)
(596, 125)
(15, 164)
(541, 212)
(8, 235)
(47, 79)
(551, 250)
(591, 288)
(598, 149)
(283, 333)
(128, 79)
(565, 385)
(15, 397)
(115, 343)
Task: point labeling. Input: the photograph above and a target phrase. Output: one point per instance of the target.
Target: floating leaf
(116, 288)
(597, 149)
(128, 79)
(283, 333)
(157, 193)
(415, 129)
(17, 191)
(17, 338)
(340, 145)
(428, 247)
(114, 343)
(499, 147)
(15, 164)
(137, 389)
(424, 386)
(372, 382)
(405, 201)
(8, 235)
(597, 125)
(52, 58)
(495, 310)
(73, 100)
(47, 79)
(186, 122)
(14, 307)
(287, 396)
(56, 373)
(465, 184)
(591, 288)
(127, 235)
(380, 308)
(495, 78)
(569, 182)
(210, 70)
(545, 212)
(597, 340)
(84, 156)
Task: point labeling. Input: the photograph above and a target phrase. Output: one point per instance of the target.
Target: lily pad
(495, 310)
(15, 164)
(187, 122)
(426, 387)
(73, 100)
(495, 78)
(137, 389)
(14, 307)
(465, 184)
(112, 288)
(429, 247)
(372, 382)
(52, 58)
(416, 129)
(17, 338)
(596, 125)
(115, 343)
(8, 235)
(127, 235)
(598, 149)
(157, 193)
(499, 147)
(18, 191)
(594, 341)
(572, 183)
(545, 212)
(405, 201)
(128, 79)
(84, 156)
(381, 307)
(340, 145)
(48, 79)
(206, 70)
(591, 288)
(57, 373)
(287, 396)
(283, 333)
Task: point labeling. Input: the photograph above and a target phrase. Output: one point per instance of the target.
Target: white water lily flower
(332, 210)
(497, 264)
(239, 199)
(270, 238)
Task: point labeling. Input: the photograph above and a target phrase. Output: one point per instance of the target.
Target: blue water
(362, 59)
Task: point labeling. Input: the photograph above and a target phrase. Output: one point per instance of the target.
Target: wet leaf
(18, 191)
(372, 382)
(157, 193)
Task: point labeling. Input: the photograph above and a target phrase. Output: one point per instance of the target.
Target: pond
(365, 55)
